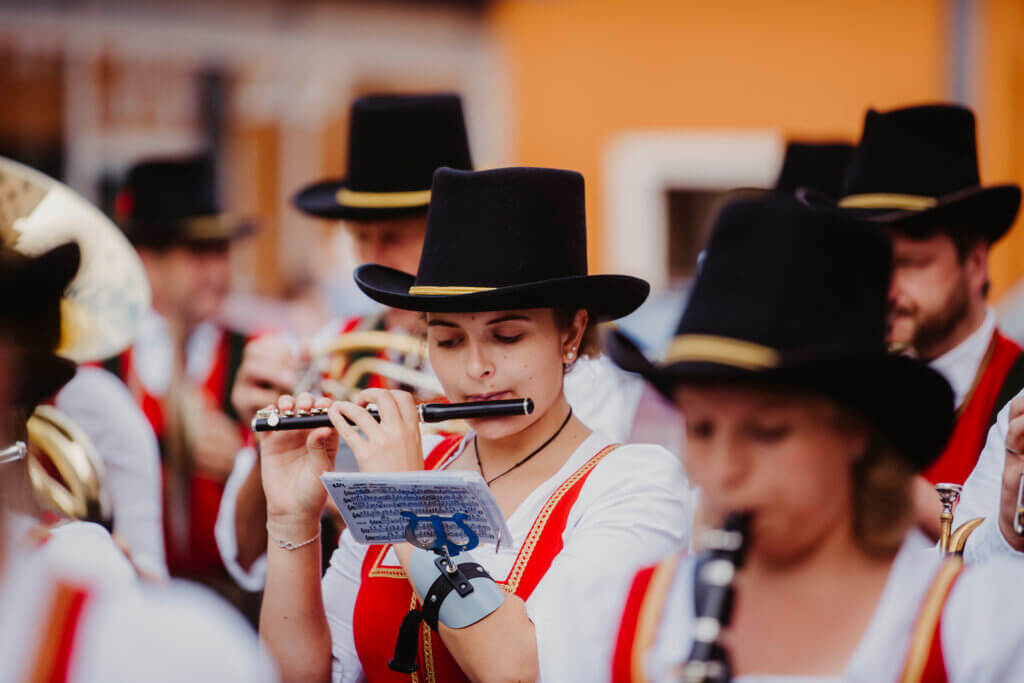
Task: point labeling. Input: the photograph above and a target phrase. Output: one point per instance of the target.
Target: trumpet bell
(66, 471)
(104, 305)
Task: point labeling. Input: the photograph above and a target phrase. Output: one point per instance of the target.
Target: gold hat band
(382, 200)
(209, 227)
(908, 202)
(722, 350)
(431, 290)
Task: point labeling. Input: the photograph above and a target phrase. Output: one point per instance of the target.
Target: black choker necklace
(476, 449)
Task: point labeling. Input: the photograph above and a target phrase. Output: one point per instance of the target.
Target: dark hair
(590, 342)
(963, 238)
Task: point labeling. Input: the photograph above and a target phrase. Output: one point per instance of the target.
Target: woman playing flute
(797, 415)
(504, 287)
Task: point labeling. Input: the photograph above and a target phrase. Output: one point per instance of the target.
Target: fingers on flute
(337, 412)
(285, 402)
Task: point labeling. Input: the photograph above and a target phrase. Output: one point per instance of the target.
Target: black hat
(795, 297)
(818, 165)
(504, 239)
(395, 144)
(916, 169)
(30, 319)
(165, 202)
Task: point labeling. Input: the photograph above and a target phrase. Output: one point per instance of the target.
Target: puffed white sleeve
(255, 577)
(981, 494)
(340, 587)
(982, 633)
(177, 632)
(103, 407)
(633, 510)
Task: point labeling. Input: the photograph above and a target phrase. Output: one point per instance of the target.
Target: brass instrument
(339, 376)
(66, 471)
(953, 542)
(101, 312)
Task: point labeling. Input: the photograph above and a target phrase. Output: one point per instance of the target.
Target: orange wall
(999, 97)
(581, 70)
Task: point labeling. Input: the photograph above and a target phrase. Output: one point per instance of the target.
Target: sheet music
(371, 504)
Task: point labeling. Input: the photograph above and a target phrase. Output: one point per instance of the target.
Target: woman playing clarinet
(798, 418)
(507, 300)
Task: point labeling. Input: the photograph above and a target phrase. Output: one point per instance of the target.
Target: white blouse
(633, 508)
(982, 635)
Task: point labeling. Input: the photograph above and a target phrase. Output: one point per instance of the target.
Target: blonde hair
(881, 488)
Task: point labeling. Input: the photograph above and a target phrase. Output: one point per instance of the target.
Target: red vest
(204, 493)
(642, 615)
(385, 595)
(53, 658)
(975, 414)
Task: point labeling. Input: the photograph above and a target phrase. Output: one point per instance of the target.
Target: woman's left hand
(393, 444)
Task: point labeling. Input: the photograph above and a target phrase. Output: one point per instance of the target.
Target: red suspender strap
(924, 663)
(640, 620)
(53, 659)
(626, 641)
(975, 414)
(544, 541)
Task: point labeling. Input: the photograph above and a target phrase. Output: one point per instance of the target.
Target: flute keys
(288, 413)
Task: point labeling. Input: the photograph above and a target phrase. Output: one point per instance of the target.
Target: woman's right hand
(291, 463)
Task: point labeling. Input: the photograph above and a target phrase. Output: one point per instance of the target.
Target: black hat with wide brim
(916, 170)
(396, 142)
(171, 201)
(504, 239)
(796, 298)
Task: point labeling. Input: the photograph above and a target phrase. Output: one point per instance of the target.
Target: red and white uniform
(977, 369)
(212, 356)
(971, 634)
(602, 396)
(604, 513)
(58, 631)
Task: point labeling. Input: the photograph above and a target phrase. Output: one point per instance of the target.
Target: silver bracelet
(288, 545)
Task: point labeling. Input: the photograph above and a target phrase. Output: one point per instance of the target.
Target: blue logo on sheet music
(441, 540)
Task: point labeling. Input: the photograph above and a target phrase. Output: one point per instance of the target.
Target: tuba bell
(101, 311)
(345, 361)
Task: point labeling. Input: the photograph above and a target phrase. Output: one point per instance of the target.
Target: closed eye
(508, 339)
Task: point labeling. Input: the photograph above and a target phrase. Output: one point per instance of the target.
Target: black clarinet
(272, 420)
(713, 598)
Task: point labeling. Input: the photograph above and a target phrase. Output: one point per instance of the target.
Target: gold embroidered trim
(650, 614)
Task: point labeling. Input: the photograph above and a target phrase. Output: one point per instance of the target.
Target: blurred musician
(66, 612)
(916, 171)
(797, 415)
(182, 367)
(507, 250)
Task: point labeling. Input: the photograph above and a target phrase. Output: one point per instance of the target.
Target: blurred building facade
(661, 104)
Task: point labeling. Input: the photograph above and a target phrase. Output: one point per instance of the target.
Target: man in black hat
(182, 366)
(916, 171)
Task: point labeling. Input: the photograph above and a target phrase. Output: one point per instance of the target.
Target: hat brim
(40, 375)
(606, 297)
(990, 211)
(320, 199)
(909, 403)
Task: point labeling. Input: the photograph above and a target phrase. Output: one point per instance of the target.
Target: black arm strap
(407, 645)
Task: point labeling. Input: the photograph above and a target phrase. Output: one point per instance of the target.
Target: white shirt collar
(153, 354)
(960, 364)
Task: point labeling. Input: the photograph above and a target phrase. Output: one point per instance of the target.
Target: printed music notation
(372, 505)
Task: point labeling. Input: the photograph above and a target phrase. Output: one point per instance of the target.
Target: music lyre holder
(444, 547)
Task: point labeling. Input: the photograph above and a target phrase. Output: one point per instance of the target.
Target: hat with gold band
(396, 142)
(916, 169)
(503, 239)
(796, 298)
(175, 200)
